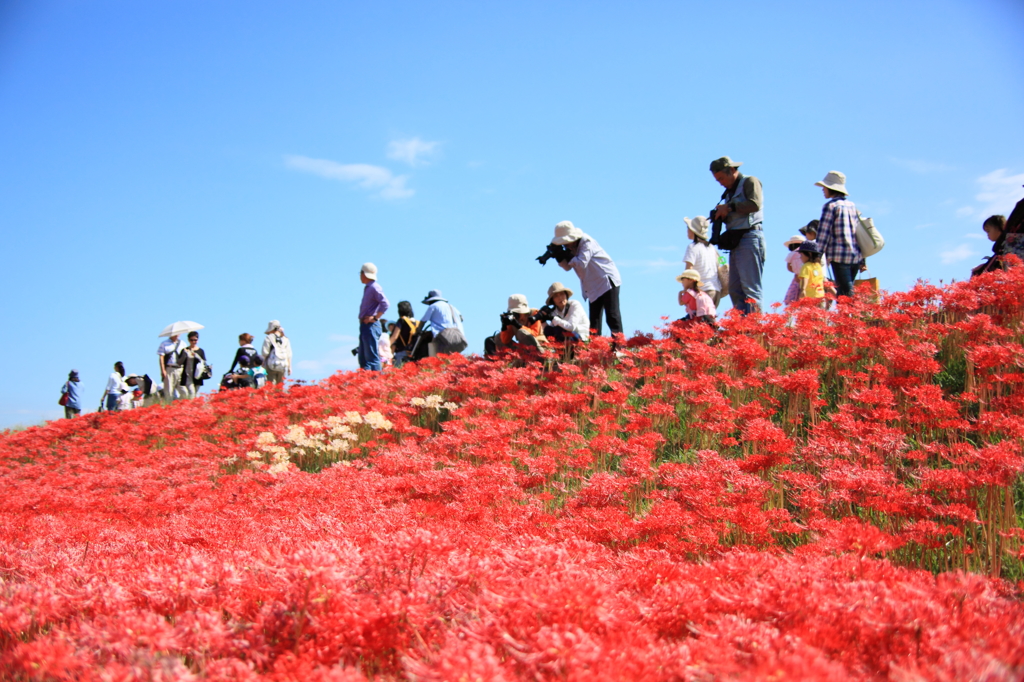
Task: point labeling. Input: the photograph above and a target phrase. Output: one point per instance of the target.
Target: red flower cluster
(807, 495)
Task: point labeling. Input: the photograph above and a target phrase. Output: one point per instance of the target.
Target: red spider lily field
(802, 495)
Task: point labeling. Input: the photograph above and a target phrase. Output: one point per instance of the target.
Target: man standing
(373, 307)
(169, 354)
(599, 278)
(741, 208)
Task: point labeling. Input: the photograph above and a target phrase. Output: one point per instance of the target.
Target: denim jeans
(746, 263)
(844, 274)
(369, 357)
(113, 401)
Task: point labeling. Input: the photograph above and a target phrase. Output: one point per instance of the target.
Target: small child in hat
(793, 263)
(812, 275)
(699, 306)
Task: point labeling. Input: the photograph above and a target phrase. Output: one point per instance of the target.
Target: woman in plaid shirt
(837, 232)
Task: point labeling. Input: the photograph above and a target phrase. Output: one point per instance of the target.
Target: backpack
(275, 362)
(869, 239)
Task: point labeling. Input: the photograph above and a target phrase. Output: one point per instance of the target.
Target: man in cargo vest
(741, 209)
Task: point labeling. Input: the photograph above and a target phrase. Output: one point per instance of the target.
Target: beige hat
(834, 180)
(699, 225)
(795, 239)
(517, 304)
(724, 162)
(273, 325)
(689, 274)
(370, 270)
(566, 232)
(555, 288)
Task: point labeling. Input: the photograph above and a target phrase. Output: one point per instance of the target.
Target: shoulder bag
(451, 339)
(869, 239)
(65, 396)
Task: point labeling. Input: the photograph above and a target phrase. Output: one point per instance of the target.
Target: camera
(510, 320)
(546, 314)
(556, 251)
(716, 227)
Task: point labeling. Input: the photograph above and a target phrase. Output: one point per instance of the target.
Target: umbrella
(183, 327)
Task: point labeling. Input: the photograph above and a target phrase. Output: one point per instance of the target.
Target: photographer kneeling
(521, 326)
(567, 321)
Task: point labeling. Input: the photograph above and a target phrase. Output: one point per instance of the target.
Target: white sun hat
(699, 225)
(517, 304)
(370, 270)
(835, 181)
(795, 239)
(273, 325)
(566, 232)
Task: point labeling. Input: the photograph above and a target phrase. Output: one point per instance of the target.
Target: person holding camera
(741, 211)
(566, 319)
(599, 278)
(521, 325)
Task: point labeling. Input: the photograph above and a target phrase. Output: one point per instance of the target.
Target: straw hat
(555, 288)
(699, 225)
(689, 274)
(834, 180)
(566, 232)
(517, 304)
(795, 239)
(370, 270)
(721, 164)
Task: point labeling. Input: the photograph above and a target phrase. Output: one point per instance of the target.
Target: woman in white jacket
(277, 353)
(569, 322)
(115, 389)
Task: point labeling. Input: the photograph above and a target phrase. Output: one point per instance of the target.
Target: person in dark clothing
(1004, 242)
(245, 348)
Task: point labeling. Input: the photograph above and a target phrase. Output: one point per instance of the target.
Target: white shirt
(704, 258)
(115, 384)
(168, 346)
(573, 318)
(281, 345)
(594, 267)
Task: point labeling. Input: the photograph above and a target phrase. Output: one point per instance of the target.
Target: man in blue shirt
(373, 307)
(440, 315)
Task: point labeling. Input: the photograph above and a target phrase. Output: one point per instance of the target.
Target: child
(793, 263)
(812, 275)
(699, 306)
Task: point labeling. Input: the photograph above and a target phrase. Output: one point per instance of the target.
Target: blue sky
(236, 162)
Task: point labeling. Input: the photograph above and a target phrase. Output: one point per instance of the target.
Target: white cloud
(924, 226)
(663, 248)
(965, 212)
(330, 362)
(410, 151)
(343, 338)
(875, 208)
(921, 167)
(363, 175)
(999, 192)
(975, 236)
(957, 254)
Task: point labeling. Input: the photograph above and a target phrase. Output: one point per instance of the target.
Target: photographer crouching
(521, 327)
(599, 278)
(566, 321)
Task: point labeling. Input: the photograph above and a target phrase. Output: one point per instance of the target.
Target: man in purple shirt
(373, 307)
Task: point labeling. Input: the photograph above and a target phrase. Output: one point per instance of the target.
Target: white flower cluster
(433, 401)
(330, 437)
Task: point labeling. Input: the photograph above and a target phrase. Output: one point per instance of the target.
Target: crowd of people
(827, 256)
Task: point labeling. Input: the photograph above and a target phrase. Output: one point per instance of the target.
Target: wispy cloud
(972, 235)
(957, 254)
(330, 362)
(965, 212)
(363, 175)
(921, 167)
(875, 208)
(663, 248)
(411, 151)
(999, 191)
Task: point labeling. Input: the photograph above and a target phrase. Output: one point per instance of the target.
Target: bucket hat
(517, 304)
(699, 225)
(566, 232)
(434, 295)
(809, 246)
(834, 180)
(272, 326)
(72, 375)
(809, 227)
(721, 164)
(555, 288)
(795, 239)
(689, 274)
(370, 270)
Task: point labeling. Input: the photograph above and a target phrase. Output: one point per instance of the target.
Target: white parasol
(182, 327)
